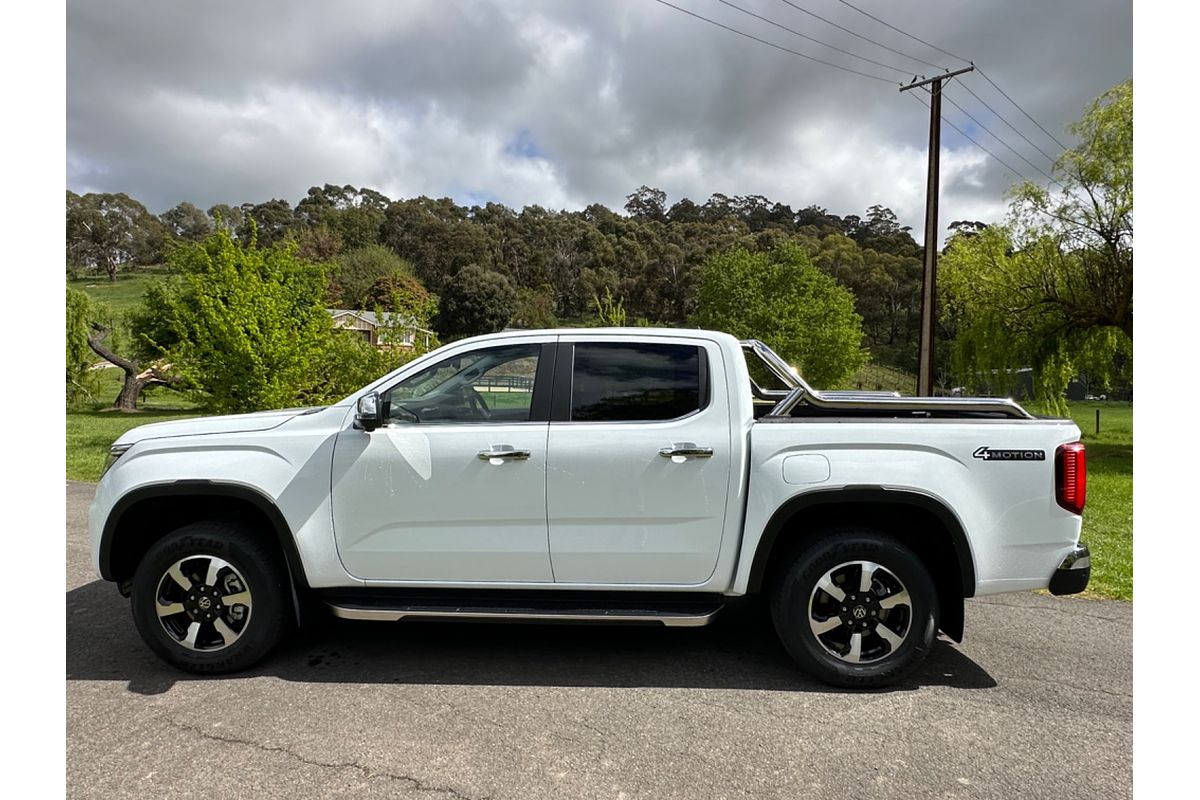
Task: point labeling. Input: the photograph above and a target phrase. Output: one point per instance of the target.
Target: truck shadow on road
(738, 651)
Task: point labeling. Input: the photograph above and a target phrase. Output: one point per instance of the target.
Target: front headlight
(114, 452)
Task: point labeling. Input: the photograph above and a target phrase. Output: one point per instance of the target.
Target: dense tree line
(534, 266)
(1051, 287)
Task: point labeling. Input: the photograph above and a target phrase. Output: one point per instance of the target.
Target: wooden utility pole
(929, 283)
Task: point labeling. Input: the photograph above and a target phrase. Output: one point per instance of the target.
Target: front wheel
(210, 598)
(856, 608)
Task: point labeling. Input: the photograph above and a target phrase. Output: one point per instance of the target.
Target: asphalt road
(1036, 703)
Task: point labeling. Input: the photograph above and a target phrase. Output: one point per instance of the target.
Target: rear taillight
(1070, 465)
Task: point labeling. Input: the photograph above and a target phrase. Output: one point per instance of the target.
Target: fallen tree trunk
(136, 378)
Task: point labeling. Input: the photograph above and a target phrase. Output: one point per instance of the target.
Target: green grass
(878, 378)
(120, 295)
(91, 430)
(1108, 516)
(89, 434)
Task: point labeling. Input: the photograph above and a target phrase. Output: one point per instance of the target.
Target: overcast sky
(563, 103)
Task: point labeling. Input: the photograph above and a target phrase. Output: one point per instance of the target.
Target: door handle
(682, 450)
(503, 453)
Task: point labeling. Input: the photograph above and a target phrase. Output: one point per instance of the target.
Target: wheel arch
(947, 554)
(160, 508)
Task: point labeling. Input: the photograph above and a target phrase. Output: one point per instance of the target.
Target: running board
(695, 615)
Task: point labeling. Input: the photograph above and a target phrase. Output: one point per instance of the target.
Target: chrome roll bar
(870, 401)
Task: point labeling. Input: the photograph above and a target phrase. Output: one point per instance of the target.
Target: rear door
(638, 460)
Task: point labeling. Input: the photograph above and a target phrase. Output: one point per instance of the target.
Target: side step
(671, 613)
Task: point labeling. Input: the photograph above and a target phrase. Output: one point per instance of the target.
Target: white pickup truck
(615, 475)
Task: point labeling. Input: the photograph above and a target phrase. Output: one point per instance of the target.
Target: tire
(818, 629)
(249, 597)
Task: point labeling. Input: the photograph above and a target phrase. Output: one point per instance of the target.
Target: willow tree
(1052, 288)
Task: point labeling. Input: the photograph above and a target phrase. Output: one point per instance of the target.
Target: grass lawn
(878, 378)
(91, 431)
(1108, 516)
(121, 295)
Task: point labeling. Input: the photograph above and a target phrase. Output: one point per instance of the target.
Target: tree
(476, 301)
(357, 271)
(781, 298)
(610, 311)
(270, 222)
(228, 218)
(246, 325)
(535, 308)
(435, 236)
(81, 312)
(90, 331)
(1052, 287)
(186, 221)
(404, 296)
(647, 203)
(107, 231)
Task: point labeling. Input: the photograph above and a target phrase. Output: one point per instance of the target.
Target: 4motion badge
(988, 454)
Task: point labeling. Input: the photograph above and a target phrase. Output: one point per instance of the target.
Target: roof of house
(371, 318)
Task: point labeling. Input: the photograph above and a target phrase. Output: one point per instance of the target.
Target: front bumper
(1073, 573)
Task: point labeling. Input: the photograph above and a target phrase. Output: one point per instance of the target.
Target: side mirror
(369, 413)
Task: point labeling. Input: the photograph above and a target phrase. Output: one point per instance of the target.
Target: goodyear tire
(211, 598)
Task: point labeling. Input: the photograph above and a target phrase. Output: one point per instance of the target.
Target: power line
(1002, 162)
(813, 39)
(864, 38)
(905, 33)
(1049, 157)
(986, 130)
(977, 69)
(888, 81)
(1023, 111)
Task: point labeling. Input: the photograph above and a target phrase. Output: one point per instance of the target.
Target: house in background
(378, 332)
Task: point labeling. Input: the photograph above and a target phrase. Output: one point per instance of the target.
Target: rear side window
(637, 382)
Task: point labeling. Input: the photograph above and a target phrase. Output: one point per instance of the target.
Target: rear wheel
(210, 598)
(855, 608)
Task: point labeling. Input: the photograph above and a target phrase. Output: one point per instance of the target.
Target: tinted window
(622, 382)
(479, 386)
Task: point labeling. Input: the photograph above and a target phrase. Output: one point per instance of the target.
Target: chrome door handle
(685, 450)
(503, 453)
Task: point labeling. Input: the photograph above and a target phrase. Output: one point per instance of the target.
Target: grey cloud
(224, 102)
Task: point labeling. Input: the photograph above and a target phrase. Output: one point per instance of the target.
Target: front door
(453, 486)
(639, 461)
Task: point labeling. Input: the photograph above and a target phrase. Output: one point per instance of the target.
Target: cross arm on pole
(945, 75)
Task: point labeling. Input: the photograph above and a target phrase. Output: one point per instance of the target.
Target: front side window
(495, 385)
(636, 382)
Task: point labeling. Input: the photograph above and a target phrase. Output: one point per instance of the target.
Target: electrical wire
(1002, 162)
(813, 39)
(905, 33)
(888, 81)
(864, 38)
(1023, 111)
(986, 130)
(964, 85)
(982, 73)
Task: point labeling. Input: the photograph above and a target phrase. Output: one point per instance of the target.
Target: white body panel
(621, 513)
(288, 464)
(595, 501)
(415, 503)
(1017, 532)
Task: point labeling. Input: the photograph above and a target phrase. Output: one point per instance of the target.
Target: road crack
(416, 783)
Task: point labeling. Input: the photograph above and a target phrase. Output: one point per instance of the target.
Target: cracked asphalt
(1036, 703)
